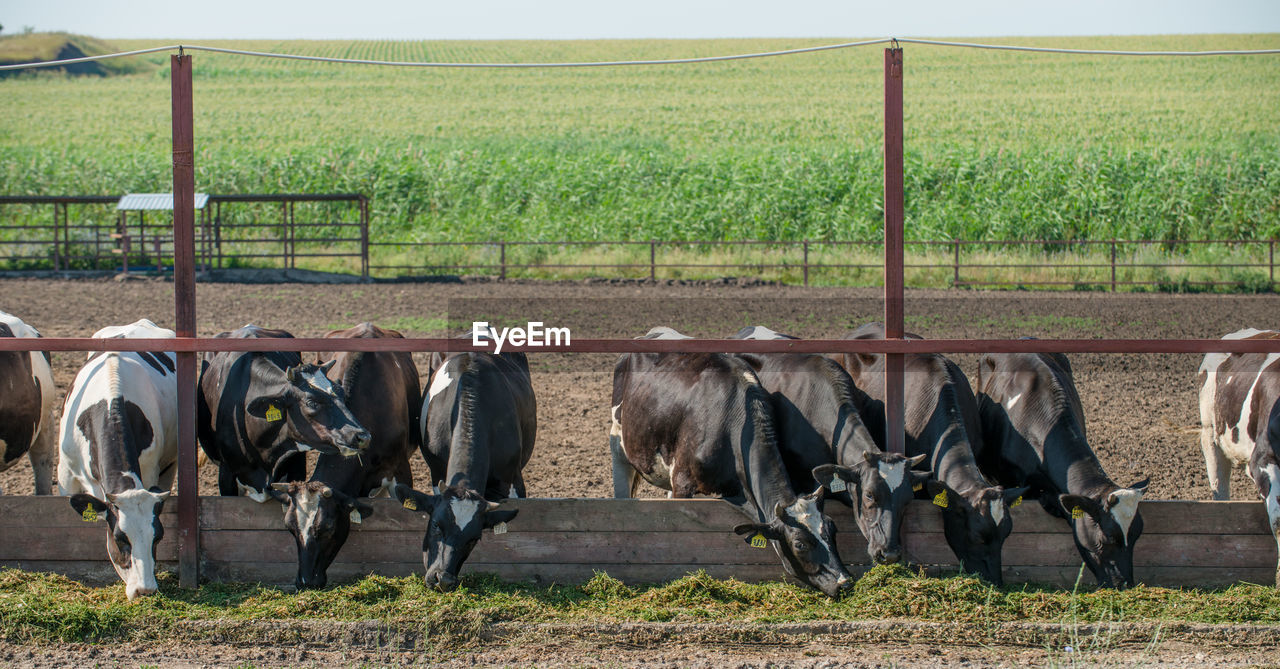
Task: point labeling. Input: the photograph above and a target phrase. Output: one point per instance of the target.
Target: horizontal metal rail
(907, 346)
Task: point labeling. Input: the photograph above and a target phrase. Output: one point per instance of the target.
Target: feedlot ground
(1141, 410)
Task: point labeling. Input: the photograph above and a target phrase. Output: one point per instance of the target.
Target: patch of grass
(42, 607)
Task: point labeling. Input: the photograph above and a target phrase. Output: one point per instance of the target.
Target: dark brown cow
(1240, 422)
(1034, 434)
(382, 393)
(941, 420)
(701, 424)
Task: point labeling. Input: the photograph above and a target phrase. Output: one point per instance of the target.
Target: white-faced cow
(941, 421)
(258, 411)
(702, 424)
(818, 414)
(118, 447)
(1240, 422)
(479, 423)
(382, 393)
(26, 405)
(1034, 434)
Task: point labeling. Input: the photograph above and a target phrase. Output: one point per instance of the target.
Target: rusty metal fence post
(895, 438)
(1271, 262)
(502, 260)
(184, 296)
(955, 265)
(806, 263)
(1113, 265)
(653, 254)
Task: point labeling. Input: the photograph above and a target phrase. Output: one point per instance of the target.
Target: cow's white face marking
(306, 506)
(439, 382)
(1125, 508)
(1272, 473)
(892, 473)
(806, 512)
(136, 514)
(1012, 401)
(464, 510)
(997, 510)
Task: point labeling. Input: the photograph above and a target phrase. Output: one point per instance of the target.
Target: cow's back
(225, 377)
(1238, 395)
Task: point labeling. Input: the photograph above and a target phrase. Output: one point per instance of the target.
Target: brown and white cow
(1240, 422)
(381, 390)
(1034, 433)
(118, 449)
(818, 411)
(701, 424)
(941, 421)
(26, 406)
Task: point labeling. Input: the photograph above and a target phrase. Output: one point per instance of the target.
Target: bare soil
(1141, 409)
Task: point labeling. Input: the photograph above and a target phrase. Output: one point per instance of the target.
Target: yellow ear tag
(410, 504)
(1016, 502)
(1077, 512)
(500, 528)
(758, 541)
(90, 515)
(837, 485)
(917, 487)
(940, 499)
(273, 413)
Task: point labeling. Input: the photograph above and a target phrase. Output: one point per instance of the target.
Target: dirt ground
(1141, 409)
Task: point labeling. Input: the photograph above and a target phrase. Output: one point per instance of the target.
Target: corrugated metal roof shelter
(154, 201)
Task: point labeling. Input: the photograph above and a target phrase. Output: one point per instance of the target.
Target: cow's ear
(1141, 486)
(943, 496)
(1075, 505)
(1013, 496)
(358, 509)
(267, 408)
(492, 518)
(918, 478)
(280, 491)
(89, 507)
(826, 474)
(413, 500)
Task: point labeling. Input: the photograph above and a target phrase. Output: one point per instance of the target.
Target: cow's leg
(1216, 464)
(228, 486)
(41, 457)
(625, 477)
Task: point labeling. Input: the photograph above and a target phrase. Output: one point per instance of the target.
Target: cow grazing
(941, 422)
(817, 410)
(702, 424)
(1034, 434)
(479, 421)
(1240, 422)
(382, 393)
(258, 411)
(26, 405)
(118, 449)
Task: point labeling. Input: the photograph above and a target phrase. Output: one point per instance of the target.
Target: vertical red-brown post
(184, 297)
(893, 222)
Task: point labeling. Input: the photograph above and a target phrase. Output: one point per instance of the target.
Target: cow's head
(975, 523)
(313, 410)
(805, 539)
(879, 487)
(319, 518)
(1106, 527)
(456, 517)
(133, 530)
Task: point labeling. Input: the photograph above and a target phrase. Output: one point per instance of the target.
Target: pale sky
(603, 19)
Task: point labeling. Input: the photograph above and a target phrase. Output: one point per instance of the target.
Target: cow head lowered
(319, 518)
(133, 530)
(805, 539)
(975, 523)
(1105, 527)
(880, 487)
(456, 517)
(312, 411)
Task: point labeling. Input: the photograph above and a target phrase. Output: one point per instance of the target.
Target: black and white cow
(1240, 422)
(702, 424)
(118, 449)
(820, 433)
(258, 412)
(26, 405)
(479, 423)
(382, 393)
(1034, 434)
(941, 421)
